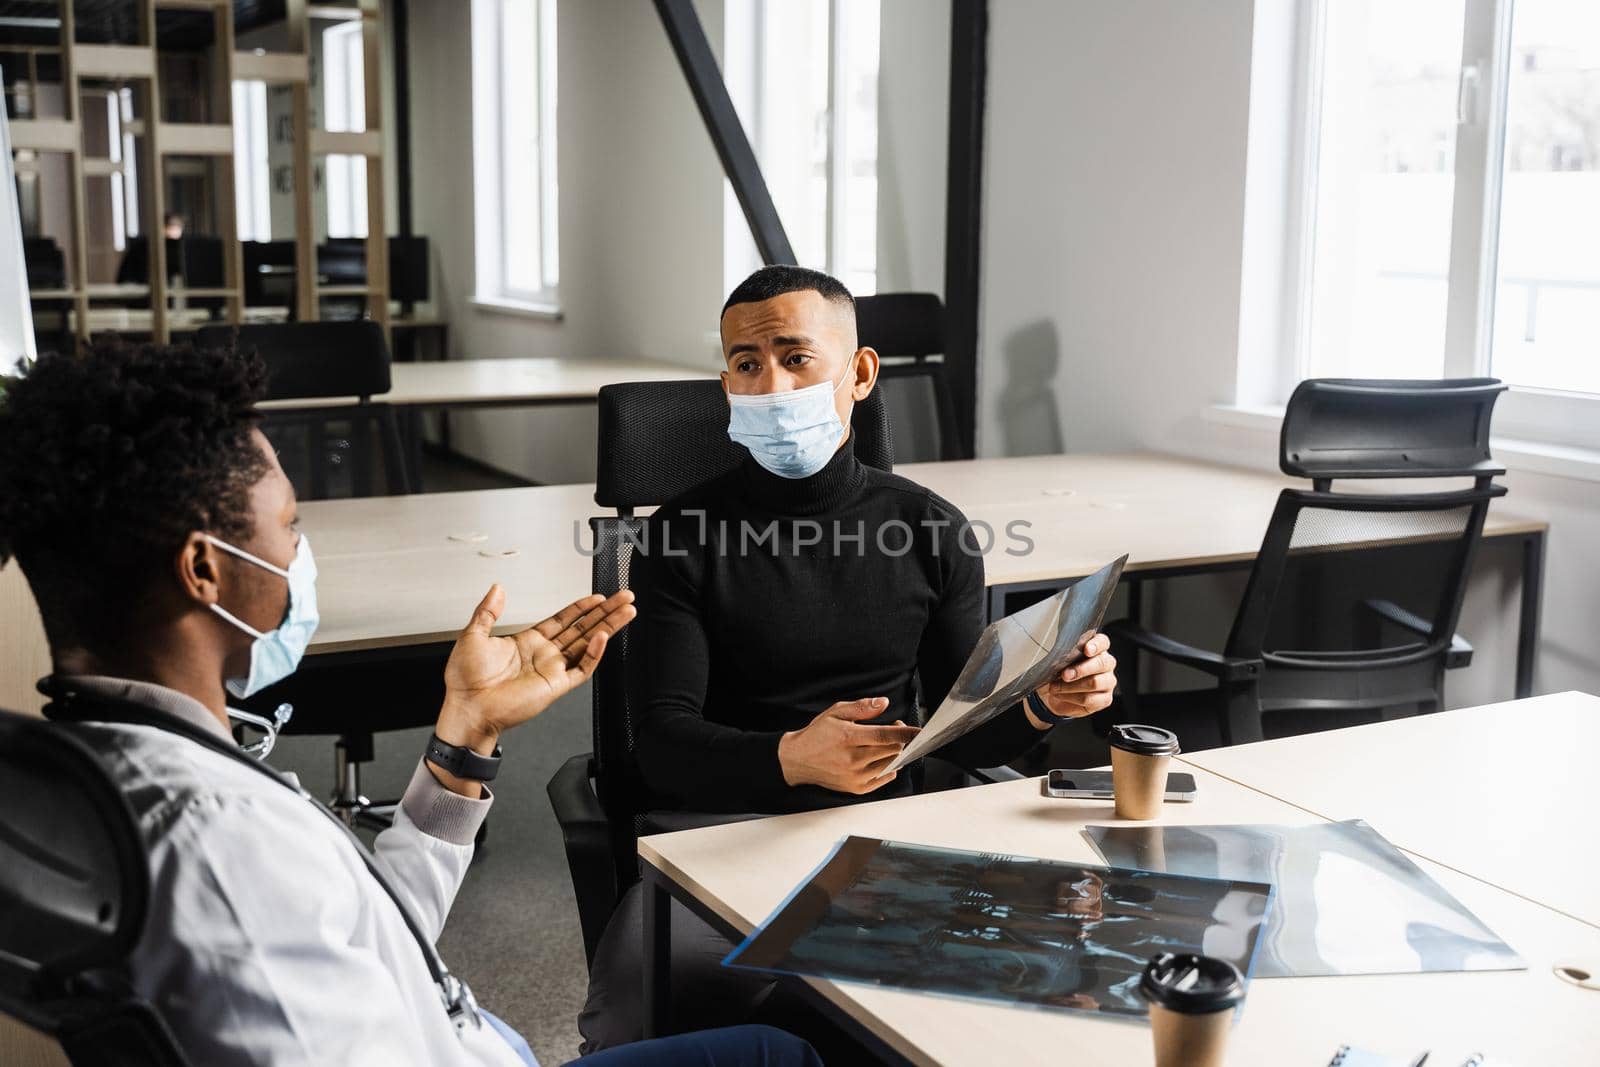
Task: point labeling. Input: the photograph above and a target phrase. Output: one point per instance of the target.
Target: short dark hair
(111, 457)
(781, 278)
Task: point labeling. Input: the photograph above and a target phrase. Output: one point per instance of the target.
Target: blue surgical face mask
(793, 434)
(275, 654)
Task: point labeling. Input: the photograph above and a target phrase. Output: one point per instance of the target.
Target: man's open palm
(508, 680)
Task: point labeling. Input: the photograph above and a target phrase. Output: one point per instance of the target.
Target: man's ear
(199, 570)
(866, 362)
(724, 385)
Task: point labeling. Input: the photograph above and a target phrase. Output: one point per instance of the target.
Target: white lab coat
(268, 940)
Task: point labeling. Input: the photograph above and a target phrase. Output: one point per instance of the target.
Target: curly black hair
(109, 458)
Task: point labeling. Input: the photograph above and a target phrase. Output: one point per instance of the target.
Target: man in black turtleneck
(796, 613)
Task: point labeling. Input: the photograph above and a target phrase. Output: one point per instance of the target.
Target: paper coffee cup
(1192, 1001)
(1140, 756)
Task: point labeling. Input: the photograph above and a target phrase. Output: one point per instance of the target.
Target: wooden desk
(736, 875)
(486, 383)
(1503, 792)
(490, 383)
(389, 575)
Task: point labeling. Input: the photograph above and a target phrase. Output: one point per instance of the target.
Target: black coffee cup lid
(1145, 740)
(1191, 984)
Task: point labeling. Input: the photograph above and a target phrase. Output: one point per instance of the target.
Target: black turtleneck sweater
(763, 600)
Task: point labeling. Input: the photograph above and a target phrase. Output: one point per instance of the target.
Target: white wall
(1114, 189)
(913, 131)
(640, 216)
(1113, 185)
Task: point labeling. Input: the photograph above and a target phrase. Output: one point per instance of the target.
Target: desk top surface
(466, 382)
(390, 573)
(1503, 792)
(744, 870)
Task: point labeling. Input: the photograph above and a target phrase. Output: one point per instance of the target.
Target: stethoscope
(68, 705)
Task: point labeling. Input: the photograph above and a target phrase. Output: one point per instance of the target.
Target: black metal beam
(969, 35)
(399, 20)
(710, 92)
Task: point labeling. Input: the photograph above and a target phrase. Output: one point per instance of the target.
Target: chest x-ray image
(1348, 901)
(1038, 932)
(1016, 655)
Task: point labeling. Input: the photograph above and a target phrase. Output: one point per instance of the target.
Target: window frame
(1547, 417)
(345, 188)
(745, 35)
(491, 184)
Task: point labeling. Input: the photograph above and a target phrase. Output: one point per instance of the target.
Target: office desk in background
(734, 876)
(1171, 516)
(1503, 792)
(493, 383)
(391, 577)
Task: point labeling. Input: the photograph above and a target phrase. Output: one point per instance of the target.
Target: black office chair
(74, 886)
(1350, 610)
(656, 440)
(907, 330)
(313, 360)
(361, 693)
(44, 263)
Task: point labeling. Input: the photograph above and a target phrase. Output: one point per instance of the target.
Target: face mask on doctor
(275, 654)
(793, 434)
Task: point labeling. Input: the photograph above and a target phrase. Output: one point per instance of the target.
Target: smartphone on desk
(1096, 785)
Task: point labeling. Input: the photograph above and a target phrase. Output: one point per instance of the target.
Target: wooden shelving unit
(136, 65)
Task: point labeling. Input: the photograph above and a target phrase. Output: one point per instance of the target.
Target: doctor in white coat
(158, 534)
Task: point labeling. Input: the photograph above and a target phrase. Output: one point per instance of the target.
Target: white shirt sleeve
(428, 849)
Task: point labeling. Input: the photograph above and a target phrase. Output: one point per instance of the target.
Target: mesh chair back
(73, 877)
(326, 451)
(901, 324)
(659, 439)
(1319, 605)
(74, 887)
(656, 441)
(906, 329)
(307, 360)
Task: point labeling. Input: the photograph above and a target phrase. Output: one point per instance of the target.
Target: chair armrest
(1223, 668)
(587, 837)
(1458, 655)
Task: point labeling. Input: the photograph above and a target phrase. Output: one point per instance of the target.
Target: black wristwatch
(1042, 712)
(462, 761)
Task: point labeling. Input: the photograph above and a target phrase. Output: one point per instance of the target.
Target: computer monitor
(197, 260)
(408, 269)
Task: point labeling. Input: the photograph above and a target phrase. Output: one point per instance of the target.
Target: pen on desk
(1420, 1060)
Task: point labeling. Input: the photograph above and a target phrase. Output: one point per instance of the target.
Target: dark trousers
(736, 1046)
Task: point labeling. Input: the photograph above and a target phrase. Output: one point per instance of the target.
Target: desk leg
(1528, 624)
(657, 956)
(411, 418)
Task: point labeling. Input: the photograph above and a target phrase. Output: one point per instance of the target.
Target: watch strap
(462, 761)
(1041, 710)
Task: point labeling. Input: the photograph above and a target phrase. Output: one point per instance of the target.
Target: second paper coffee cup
(1140, 756)
(1192, 999)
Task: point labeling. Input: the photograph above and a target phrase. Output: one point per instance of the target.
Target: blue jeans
(732, 1046)
(518, 1043)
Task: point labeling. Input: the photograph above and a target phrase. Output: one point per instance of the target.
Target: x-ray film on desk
(1037, 932)
(1016, 655)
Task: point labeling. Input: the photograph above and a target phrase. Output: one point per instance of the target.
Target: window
(514, 150)
(251, 169)
(344, 103)
(1448, 223)
(1547, 264)
(803, 75)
